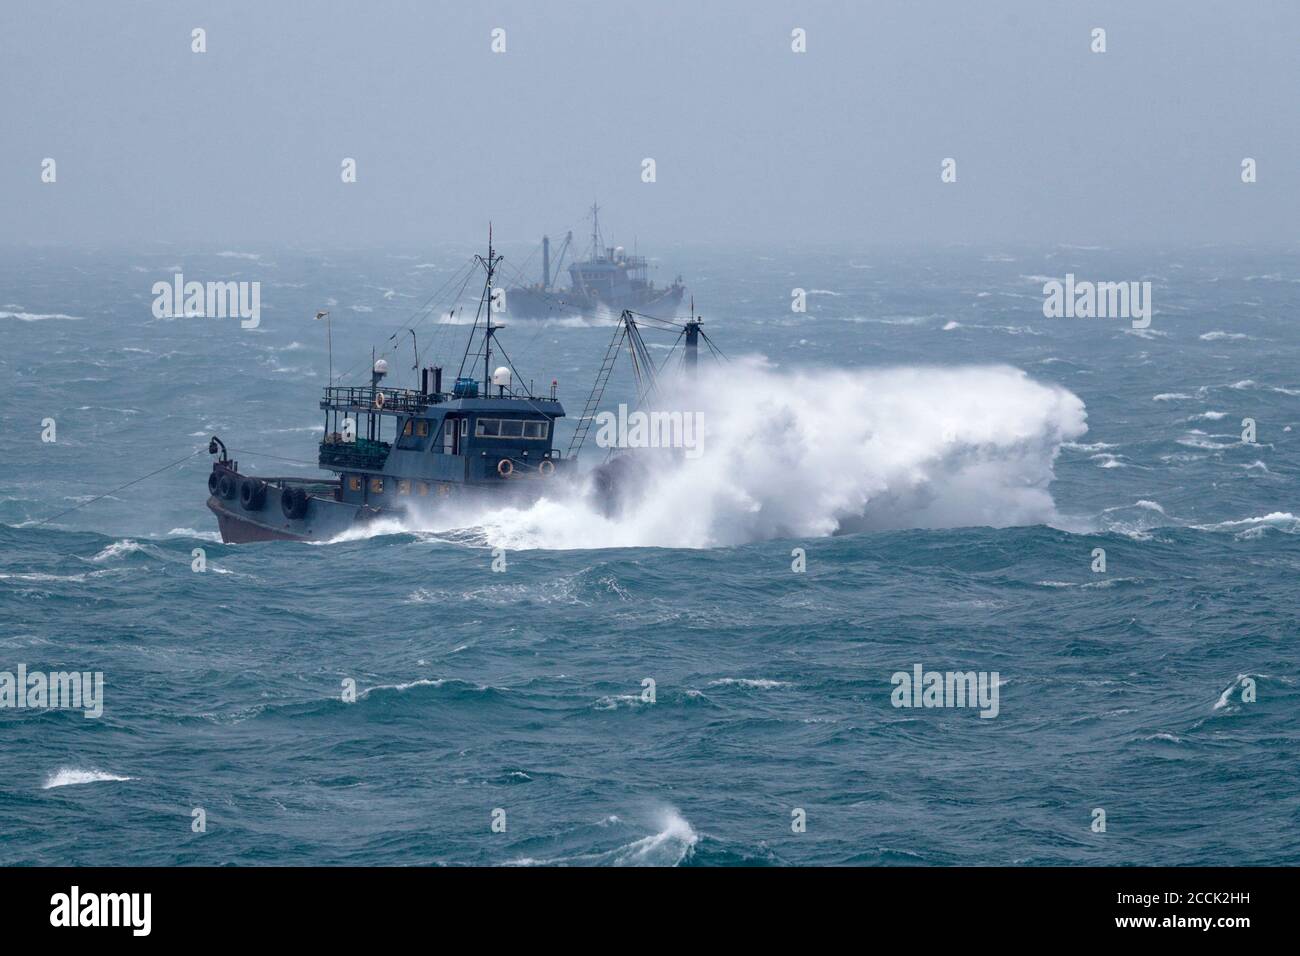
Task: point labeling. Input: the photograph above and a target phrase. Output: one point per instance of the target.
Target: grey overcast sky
(752, 141)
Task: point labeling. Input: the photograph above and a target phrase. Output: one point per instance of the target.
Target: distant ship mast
(595, 232)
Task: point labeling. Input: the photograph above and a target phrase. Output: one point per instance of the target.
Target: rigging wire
(519, 270)
(477, 314)
(134, 481)
(441, 334)
(263, 454)
(467, 268)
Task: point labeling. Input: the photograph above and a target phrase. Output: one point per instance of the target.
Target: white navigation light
(501, 376)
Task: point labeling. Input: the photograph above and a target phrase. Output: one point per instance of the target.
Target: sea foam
(807, 454)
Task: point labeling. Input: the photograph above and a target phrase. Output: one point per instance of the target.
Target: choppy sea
(946, 460)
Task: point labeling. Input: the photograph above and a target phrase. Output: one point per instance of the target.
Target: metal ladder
(597, 391)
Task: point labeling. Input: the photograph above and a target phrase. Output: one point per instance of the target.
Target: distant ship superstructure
(609, 278)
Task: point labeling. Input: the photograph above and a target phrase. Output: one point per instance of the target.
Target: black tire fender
(293, 502)
(252, 494)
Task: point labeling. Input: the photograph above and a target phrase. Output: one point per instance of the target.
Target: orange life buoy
(379, 399)
(546, 467)
(505, 467)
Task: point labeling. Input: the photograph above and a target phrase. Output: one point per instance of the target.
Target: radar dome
(501, 376)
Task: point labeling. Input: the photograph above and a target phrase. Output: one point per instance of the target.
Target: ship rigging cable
(134, 481)
(467, 268)
(179, 461)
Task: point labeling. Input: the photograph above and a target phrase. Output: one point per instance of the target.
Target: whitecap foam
(615, 701)
(1217, 336)
(1087, 446)
(39, 316)
(919, 448)
(1281, 520)
(192, 533)
(117, 549)
(1224, 700)
(407, 685)
(74, 776)
(668, 847)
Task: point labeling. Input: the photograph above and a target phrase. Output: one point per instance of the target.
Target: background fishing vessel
(609, 278)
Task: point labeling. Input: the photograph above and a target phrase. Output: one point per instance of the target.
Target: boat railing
(374, 398)
(409, 401)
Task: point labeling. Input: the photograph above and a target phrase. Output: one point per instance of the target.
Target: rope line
(135, 481)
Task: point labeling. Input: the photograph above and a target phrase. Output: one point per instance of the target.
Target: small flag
(321, 315)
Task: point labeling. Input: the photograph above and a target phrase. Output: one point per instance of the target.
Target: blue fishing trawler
(393, 449)
(610, 278)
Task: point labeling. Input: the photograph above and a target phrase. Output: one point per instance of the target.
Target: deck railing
(376, 399)
(404, 401)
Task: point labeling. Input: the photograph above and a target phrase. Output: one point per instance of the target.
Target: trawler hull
(240, 529)
(324, 517)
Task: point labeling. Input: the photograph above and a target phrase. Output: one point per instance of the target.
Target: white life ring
(546, 467)
(505, 468)
(379, 399)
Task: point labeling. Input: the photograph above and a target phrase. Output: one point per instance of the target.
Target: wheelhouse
(389, 444)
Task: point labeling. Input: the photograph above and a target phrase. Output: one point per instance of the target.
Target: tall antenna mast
(490, 264)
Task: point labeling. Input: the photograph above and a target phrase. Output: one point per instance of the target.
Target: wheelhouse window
(403, 486)
(414, 431)
(376, 486)
(354, 482)
(511, 428)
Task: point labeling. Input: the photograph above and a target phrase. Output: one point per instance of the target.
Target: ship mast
(692, 330)
(490, 264)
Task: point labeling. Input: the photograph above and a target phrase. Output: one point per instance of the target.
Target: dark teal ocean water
(947, 458)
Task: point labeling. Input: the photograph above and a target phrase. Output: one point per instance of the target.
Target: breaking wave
(72, 776)
(38, 316)
(808, 454)
(670, 845)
